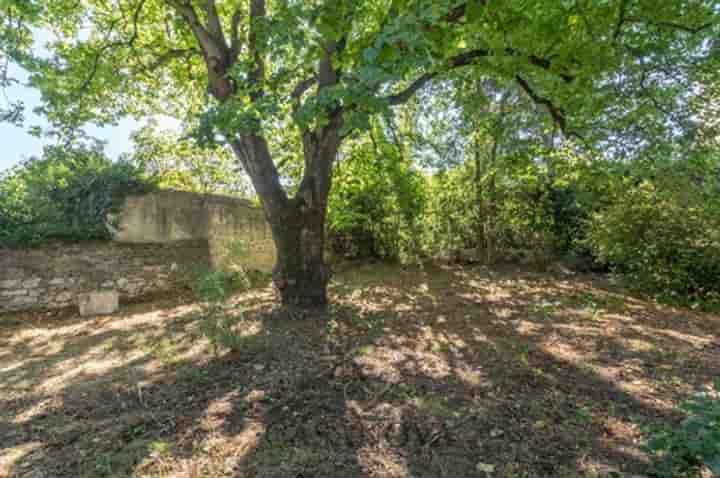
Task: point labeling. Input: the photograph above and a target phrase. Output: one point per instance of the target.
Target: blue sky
(18, 144)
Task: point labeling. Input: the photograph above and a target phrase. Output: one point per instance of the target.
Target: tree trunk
(301, 275)
(297, 223)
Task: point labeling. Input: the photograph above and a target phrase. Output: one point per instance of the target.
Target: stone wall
(158, 240)
(226, 223)
(54, 275)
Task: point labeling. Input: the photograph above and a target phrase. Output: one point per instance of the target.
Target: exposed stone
(11, 293)
(64, 297)
(98, 303)
(59, 281)
(9, 284)
(30, 283)
(22, 300)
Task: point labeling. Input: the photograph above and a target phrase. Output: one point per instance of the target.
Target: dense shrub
(662, 230)
(375, 202)
(67, 194)
(520, 209)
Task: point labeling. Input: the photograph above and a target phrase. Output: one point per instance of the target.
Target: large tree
(246, 71)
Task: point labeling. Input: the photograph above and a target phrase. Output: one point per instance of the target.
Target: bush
(66, 194)
(662, 232)
(374, 204)
(520, 208)
(684, 450)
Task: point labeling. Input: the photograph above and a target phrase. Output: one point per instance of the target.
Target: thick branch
(257, 15)
(545, 64)
(457, 61)
(213, 19)
(168, 56)
(235, 32)
(671, 25)
(254, 154)
(216, 52)
(303, 86)
(557, 113)
(210, 46)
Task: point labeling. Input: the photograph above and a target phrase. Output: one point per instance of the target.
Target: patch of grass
(121, 461)
(582, 416)
(522, 352)
(195, 375)
(435, 406)
(364, 350)
(402, 392)
(280, 457)
(440, 347)
(546, 310)
(166, 351)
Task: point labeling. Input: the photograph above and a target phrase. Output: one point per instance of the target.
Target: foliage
(684, 450)
(376, 201)
(16, 40)
(212, 288)
(525, 207)
(180, 164)
(68, 193)
(662, 229)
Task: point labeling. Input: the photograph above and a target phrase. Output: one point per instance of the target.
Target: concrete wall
(226, 223)
(159, 240)
(54, 275)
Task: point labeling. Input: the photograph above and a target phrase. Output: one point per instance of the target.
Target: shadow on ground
(420, 372)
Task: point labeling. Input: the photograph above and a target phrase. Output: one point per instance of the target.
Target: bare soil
(417, 372)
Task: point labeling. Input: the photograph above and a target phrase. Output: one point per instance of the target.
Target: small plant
(684, 450)
(212, 289)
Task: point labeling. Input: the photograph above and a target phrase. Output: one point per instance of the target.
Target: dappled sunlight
(378, 461)
(13, 455)
(417, 373)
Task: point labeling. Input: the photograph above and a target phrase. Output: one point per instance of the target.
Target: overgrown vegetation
(653, 221)
(693, 446)
(661, 229)
(213, 288)
(68, 193)
(377, 201)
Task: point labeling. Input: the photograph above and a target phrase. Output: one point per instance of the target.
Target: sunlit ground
(428, 372)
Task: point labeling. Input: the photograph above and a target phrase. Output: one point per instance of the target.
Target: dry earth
(434, 372)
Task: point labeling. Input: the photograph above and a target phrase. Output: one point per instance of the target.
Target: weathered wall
(159, 239)
(169, 216)
(52, 276)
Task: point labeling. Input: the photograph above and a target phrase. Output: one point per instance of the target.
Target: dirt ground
(421, 372)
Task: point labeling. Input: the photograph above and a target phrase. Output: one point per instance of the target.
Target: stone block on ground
(98, 303)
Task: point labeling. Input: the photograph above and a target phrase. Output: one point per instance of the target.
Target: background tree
(179, 163)
(67, 193)
(244, 72)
